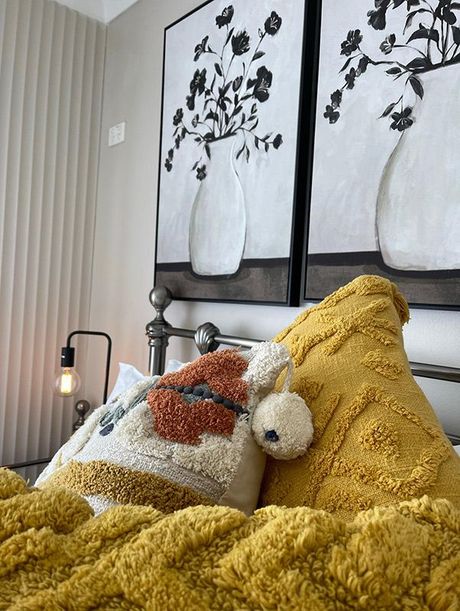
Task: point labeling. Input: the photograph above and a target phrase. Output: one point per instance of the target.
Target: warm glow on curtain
(51, 73)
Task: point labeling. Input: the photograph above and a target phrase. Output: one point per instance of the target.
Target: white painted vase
(418, 206)
(217, 231)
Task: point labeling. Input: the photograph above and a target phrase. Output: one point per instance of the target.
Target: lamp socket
(67, 356)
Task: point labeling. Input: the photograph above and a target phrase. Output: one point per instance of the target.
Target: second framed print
(231, 195)
(385, 187)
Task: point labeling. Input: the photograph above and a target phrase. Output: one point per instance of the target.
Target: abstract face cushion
(377, 440)
(191, 437)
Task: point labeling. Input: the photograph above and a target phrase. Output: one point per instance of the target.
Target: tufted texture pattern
(55, 555)
(180, 440)
(377, 440)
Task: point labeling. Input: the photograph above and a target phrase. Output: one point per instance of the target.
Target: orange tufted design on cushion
(377, 439)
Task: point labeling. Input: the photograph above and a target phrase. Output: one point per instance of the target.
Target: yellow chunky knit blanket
(55, 555)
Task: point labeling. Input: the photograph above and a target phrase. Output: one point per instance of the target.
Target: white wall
(125, 227)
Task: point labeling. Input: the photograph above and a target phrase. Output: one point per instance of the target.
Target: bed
(208, 337)
(368, 517)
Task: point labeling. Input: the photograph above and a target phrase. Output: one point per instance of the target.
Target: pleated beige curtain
(51, 78)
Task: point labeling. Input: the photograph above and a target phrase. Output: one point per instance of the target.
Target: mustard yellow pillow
(377, 440)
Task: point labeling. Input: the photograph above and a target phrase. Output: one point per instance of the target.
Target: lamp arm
(109, 354)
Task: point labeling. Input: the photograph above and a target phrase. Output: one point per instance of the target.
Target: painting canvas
(385, 187)
(229, 227)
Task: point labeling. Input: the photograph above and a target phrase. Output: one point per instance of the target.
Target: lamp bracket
(68, 354)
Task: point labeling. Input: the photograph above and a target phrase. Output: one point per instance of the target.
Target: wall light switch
(117, 133)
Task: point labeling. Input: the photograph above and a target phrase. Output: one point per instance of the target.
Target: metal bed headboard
(207, 338)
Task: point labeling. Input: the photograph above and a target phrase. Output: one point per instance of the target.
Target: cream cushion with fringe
(377, 441)
(187, 438)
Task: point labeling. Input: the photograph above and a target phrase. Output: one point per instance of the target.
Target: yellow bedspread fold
(55, 555)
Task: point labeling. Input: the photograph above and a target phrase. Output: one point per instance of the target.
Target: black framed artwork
(385, 188)
(231, 189)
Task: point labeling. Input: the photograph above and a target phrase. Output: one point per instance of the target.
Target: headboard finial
(160, 297)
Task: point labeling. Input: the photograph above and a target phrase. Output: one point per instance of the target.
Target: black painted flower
(377, 18)
(190, 101)
(201, 48)
(444, 12)
(237, 83)
(177, 119)
(277, 141)
(388, 44)
(350, 78)
(351, 44)
(201, 172)
(362, 65)
(225, 17)
(336, 98)
(402, 120)
(168, 165)
(261, 84)
(198, 82)
(195, 120)
(273, 23)
(331, 114)
(240, 43)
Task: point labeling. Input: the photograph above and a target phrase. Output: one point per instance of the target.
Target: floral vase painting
(387, 96)
(229, 105)
(229, 151)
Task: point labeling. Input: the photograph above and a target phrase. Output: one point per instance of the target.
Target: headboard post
(160, 298)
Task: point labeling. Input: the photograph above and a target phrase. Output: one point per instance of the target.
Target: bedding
(377, 440)
(402, 554)
(128, 375)
(55, 555)
(191, 437)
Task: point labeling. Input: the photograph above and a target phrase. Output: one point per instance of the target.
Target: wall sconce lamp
(68, 381)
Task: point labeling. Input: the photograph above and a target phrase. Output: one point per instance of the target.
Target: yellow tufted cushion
(377, 440)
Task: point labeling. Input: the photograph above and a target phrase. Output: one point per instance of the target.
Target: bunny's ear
(265, 362)
(282, 425)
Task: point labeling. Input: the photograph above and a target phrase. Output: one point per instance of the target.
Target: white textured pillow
(127, 376)
(174, 365)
